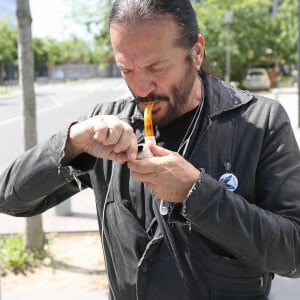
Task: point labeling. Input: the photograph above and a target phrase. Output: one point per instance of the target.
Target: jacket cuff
(79, 166)
(178, 212)
(194, 203)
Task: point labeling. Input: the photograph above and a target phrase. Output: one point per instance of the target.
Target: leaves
(256, 37)
(8, 42)
(14, 257)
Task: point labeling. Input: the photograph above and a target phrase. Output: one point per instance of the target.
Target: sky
(48, 20)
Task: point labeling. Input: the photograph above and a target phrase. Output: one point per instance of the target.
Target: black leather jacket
(219, 244)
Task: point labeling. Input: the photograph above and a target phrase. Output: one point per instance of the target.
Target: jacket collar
(221, 97)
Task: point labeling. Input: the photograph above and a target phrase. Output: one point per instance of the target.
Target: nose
(142, 85)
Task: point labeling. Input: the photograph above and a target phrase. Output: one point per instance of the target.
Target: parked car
(257, 79)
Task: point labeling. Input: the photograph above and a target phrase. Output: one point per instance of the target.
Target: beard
(179, 93)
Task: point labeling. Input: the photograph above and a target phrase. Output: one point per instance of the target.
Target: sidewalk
(83, 217)
(74, 294)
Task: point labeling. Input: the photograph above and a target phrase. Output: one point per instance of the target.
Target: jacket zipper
(259, 279)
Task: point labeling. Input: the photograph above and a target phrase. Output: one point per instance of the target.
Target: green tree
(51, 52)
(94, 16)
(40, 52)
(54, 51)
(286, 21)
(256, 37)
(8, 45)
(77, 50)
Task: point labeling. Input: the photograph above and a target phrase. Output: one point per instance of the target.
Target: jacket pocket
(221, 295)
(241, 287)
(233, 279)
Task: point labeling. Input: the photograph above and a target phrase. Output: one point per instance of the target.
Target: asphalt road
(57, 106)
(60, 104)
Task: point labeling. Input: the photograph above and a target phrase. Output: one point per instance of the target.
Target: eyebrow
(163, 61)
(160, 62)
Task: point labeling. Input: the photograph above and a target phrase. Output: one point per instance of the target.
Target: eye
(125, 71)
(155, 69)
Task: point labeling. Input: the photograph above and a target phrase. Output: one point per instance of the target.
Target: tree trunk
(34, 227)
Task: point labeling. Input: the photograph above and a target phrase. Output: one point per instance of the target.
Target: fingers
(127, 142)
(118, 136)
(143, 166)
(147, 165)
(158, 151)
(169, 177)
(130, 149)
(107, 129)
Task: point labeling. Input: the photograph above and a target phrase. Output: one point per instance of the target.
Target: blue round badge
(230, 180)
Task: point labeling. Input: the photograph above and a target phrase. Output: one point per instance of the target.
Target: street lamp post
(228, 18)
(275, 7)
(298, 63)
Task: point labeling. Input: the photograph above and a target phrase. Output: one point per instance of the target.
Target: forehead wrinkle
(131, 60)
(144, 46)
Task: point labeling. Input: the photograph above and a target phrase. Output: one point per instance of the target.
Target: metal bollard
(63, 209)
(275, 94)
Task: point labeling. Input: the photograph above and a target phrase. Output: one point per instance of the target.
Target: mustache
(151, 98)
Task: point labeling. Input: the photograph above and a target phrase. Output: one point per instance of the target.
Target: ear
(198, 51)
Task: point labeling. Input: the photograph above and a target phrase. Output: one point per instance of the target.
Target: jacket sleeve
(265, 234)
(36, 181)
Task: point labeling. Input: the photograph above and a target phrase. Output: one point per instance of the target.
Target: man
(226, 168)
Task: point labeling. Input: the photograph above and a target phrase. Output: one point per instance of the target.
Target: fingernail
(131, 155)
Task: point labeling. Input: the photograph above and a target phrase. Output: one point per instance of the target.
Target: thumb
(158, 151)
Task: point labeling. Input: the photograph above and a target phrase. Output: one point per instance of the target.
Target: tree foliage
(8, 42)
(8, 45)
(94, 15)
(287, 23)
(51, 52)
(257, 37)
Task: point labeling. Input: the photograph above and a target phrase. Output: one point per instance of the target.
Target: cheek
(166, 80)
(166, 86)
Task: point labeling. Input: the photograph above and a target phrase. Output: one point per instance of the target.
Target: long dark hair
(136, 11)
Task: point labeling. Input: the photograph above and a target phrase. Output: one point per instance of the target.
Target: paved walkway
(82, 217)
(74, 215)
(74, 294)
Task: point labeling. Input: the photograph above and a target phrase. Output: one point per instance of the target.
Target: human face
(156, 69)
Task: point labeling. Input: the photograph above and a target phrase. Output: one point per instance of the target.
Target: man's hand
(104, 137)
(167, 174)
